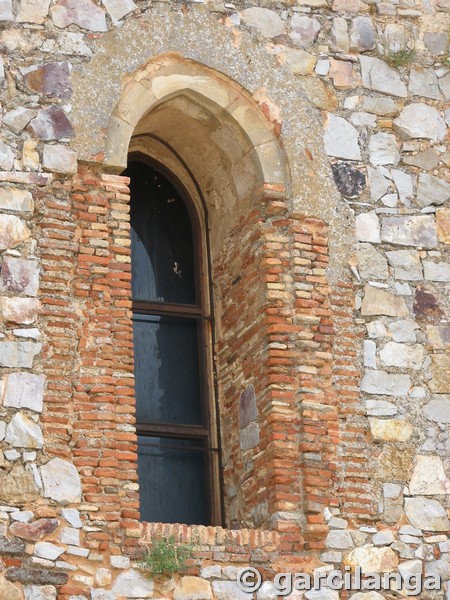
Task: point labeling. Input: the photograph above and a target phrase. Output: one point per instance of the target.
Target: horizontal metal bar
(171, 430)
(166, 308)
(175, 447)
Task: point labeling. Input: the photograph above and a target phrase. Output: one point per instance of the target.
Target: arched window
(177, 457)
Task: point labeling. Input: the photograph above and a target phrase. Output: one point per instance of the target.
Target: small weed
(402, 58)
(166, 557)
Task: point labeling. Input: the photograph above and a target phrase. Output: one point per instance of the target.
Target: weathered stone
(300, 62)
(419, 120)
(438, 337)
(32, 11)
(19, 310)
(390, 430)
(394, 464)
(51, 79)
(380, 408)
(440, 371)
(371, 264)
(427, 160)
(98, 594)
(248, 411)
(436, 271)
(9, 591)
(267, 591)
(30, 155)
(45, 592)
(432, 190)
(84, 13)
(383, 538)
(70, 536)
(15, 199)
(339, 540)
(378, 183)
(337, 523)
(48, 550)
(11, 545)
(381, 302)
(18, 118)
(18, 354)
(368, 227)
(403, 331)
(363, 119)
(24, 390)
(31, 532)
(23, 516)
(17, 487)
(6, 13)
(404, 184)
(373, 560)
(61, 481)
(6, 156)
(249, 436)
(378, 76)
(51, 124)
(410, 231)
(59, 158)
(67, 43)
(383, 149)
(428, 477)
(426, 303)
(72, 516)
(384, 107)
(133, 585)
(343, 75)
(406, 264)
(320, 94)
(36, 576)
(370, 354)
(19, 276)
(349, 180)
(436, 42)
(267, 22)
(366, 596)
(385, 384)
(117, 9)
(304, 30)
(341, 138)
(424, 82)
(376, 329)
(426, 514)
(362, 34)
(443, 225)
(444, 86)
(339, 41)
(23, 432)
(227, 590)
(324, 593)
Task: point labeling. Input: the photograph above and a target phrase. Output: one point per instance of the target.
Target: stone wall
(346, 462)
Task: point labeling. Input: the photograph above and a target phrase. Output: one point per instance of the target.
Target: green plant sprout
(166, 557)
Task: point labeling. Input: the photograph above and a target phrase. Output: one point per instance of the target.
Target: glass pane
(161, 239)
(172, 482)
(166, 370)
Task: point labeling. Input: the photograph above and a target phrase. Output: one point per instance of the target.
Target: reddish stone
(426, 304)
(51, 124)
(52, 79)
(31, 532)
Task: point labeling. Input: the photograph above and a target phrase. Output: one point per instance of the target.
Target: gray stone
(117, 9)
(6, 13)
(401, 355)
(267, 22)
(59, 159)
(376, 329)
(432, 190)
(378, 183)
(427, 160)
(67, 43)
(248, 411)
(426, 514)
(15, 199)
(32, 333)
(228, 590)
(403, 331)
(377, 301)
(436, 42)
(404, 184)
(380, 408)
(406, 264)
(72, 516)
(19, 310)
(267, 591)
(383, 107)
(378, 76)
(322, 594)
(304, 30)
(18, 354)
(24, 390)
(48, 550)
(133, 585)
(363, 119)
(444, 86)
(337, 523)
(61, 481)
(23, 516)
(341, 138)
(428, 477)
(383, 149)
(383, 538)
(36, 576)
(32, 11)
(438, 409)
(70, 536)
(18, 118)
(438, 567)
(410, 567)
(38, 592)
(19, 276)
(419, 120)
(371, 264)
(84, 13)
(349, 181)
(410, 231)
(370, 354)
(249, 436)
(11, 545)
(339, 41)
(120, 562)
(6, 157)
(362, 34)
(23, 432)
(100, 595)
(368, 227)
(385, 384)
(339, 540)
(438, 336)
(424, 82)
(211, 572)
(436, 271)
(51, 124)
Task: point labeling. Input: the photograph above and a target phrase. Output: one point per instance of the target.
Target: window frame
(202, 311)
